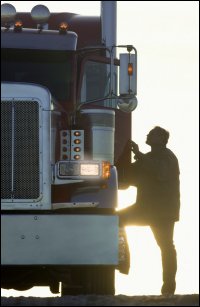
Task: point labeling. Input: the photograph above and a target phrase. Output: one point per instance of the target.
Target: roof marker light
(18, 26)
(63, 27)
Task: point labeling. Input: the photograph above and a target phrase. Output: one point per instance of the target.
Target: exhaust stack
(109, 23)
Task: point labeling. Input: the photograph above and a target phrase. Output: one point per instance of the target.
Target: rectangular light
(83, 170)
(68, 169)
(89, 169)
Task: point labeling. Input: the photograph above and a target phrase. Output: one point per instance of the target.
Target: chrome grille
(20, 150)
(6, 150)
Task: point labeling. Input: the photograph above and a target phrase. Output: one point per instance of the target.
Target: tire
(91, 280)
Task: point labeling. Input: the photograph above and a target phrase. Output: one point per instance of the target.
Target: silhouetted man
(156, 176)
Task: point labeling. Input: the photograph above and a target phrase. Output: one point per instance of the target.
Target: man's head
(157, 136)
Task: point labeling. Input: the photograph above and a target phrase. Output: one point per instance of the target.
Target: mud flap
(124, 253)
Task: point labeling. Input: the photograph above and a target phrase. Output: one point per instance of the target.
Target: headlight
(83, 170)
(89, 169)
(68, 169)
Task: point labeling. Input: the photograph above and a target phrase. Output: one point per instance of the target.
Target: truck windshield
(52, 69)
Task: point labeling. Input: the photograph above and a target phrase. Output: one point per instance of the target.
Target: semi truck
(66, 102)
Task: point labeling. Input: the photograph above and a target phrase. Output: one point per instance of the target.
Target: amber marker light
(77, 149)
(64, 149)
(18, 26)
(130, 69)
(106, 169)
(63, 27)
(77, 157)
(64, 133)
(77, 133)
(65, 157)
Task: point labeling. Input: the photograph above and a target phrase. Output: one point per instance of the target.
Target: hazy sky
(166, 36)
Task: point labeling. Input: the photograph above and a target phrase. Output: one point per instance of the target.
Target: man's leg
(163, 233)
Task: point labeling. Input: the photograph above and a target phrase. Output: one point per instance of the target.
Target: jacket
(156, 176)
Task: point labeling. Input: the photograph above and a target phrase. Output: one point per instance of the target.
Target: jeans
(163, 233)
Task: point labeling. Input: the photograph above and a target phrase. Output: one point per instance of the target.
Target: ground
(104, 300)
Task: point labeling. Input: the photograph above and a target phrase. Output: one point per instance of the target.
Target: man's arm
(136, 151)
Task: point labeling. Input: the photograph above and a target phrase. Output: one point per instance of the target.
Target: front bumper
(59, 239)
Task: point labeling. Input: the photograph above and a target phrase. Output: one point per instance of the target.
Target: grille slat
(20, 150)
(6, 150)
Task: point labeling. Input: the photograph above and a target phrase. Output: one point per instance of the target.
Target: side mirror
(128, 74)
(127, 101)
(127, 104)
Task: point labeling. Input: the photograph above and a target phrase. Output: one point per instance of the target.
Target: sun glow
(145, 275)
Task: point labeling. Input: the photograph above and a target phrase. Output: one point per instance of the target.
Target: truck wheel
(93, 280)
(100, 280)
(73, 286)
